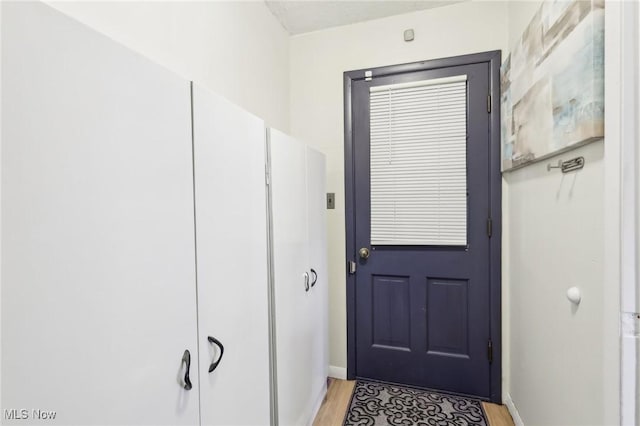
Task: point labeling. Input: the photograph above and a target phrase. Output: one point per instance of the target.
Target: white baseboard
(337, 372)
(517, 420)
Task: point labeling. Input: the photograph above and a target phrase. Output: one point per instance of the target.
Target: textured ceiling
(303, 16)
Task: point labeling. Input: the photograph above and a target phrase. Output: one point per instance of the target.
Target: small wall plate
(331, 200)
(409, 35)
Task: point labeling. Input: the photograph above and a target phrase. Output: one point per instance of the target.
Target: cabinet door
(291, 279)
(318, 314)
(98, 274)
(231, 223)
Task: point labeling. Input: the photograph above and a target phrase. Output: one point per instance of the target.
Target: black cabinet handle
(186, 358)
(306, 281)
(216, 342)
(315, 277)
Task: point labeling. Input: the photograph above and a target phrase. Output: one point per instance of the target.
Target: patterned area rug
(378, 404)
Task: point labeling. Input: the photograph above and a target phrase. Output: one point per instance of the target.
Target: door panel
(422, 312)
(290, 264)
(98, 275)
(391, 324)
(318, 318)
(229, 161)
(447, 317)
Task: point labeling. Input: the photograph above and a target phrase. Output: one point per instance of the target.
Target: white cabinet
(134, 232)
(319, 319)
(300, 285)
(231, 236)
(98, 271)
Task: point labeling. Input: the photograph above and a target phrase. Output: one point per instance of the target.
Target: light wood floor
(336, 402)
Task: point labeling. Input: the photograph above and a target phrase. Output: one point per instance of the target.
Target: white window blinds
(418, 162)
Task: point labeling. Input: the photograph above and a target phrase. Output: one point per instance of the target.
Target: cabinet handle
(315, 277)
(306, 281)
(216, 342)
(186, 358)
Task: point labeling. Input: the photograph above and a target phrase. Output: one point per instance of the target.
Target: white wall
(318, 61)
(237, 49)
(554, 239)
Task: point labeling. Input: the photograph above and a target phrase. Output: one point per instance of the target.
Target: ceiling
(302, 16)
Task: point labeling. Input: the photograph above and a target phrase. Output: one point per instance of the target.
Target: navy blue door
(422, 311)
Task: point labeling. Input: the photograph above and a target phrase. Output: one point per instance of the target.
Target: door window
(418, 162)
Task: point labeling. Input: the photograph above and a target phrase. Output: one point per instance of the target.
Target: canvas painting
(553, 83)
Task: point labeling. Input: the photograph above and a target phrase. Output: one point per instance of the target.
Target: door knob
(364, 253)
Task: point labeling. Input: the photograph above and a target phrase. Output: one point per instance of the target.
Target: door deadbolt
(364, 253)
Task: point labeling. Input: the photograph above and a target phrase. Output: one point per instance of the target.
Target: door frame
(493, 59)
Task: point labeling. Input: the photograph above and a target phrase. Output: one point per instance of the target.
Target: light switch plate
(331, 200)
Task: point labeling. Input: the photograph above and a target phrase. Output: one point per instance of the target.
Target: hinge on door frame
(490, 351)
(489, 103)
(489, 227)
(267, 177)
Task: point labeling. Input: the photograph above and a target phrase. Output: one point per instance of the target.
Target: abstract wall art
(553, 83)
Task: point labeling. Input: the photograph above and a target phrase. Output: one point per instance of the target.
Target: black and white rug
(378, 404)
